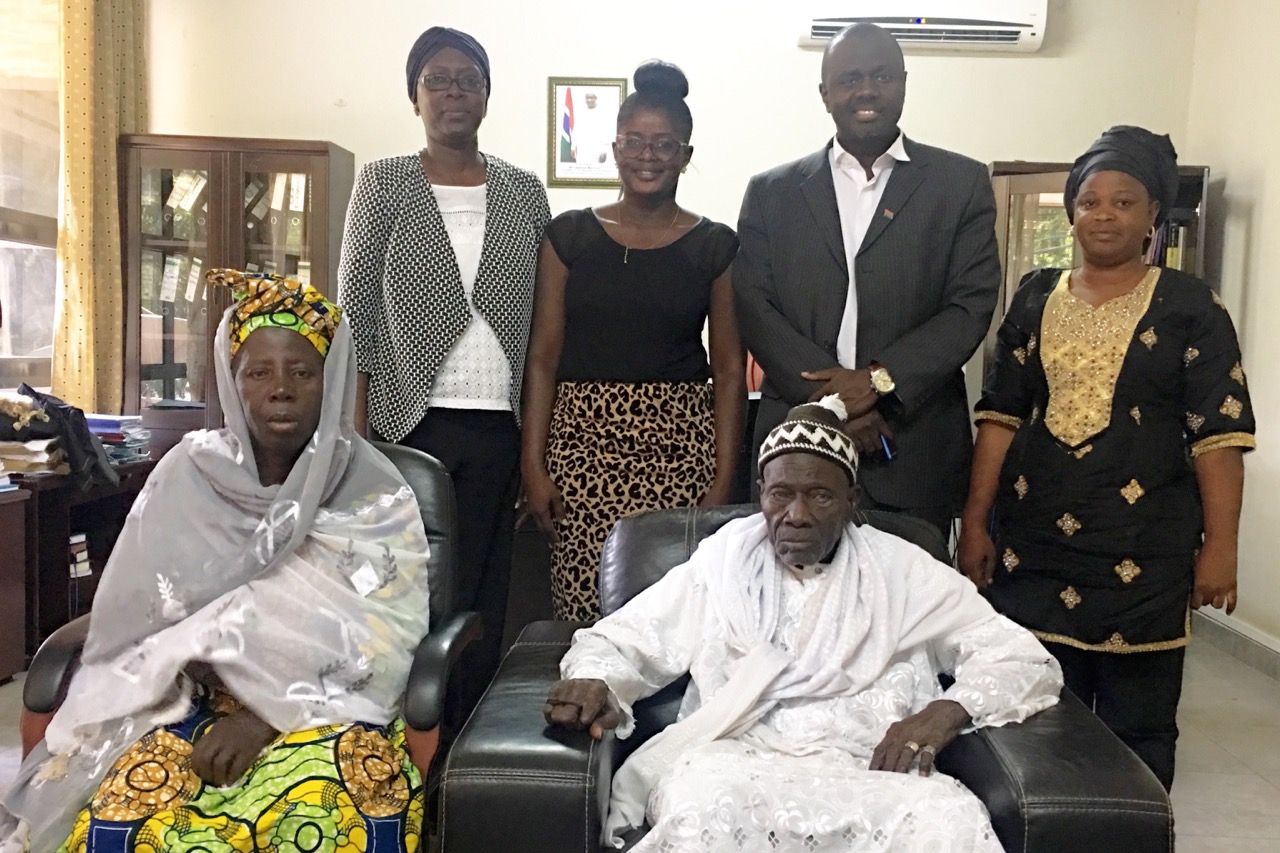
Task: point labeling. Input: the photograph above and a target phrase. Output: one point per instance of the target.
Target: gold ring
(928, 749)
(912, 745)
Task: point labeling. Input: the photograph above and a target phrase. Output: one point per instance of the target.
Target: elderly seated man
(814, 647)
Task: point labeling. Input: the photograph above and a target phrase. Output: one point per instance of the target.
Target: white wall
(1234, 126)
(333, 69)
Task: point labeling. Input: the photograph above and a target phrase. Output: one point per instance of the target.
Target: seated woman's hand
(582, 703)
(229, 747)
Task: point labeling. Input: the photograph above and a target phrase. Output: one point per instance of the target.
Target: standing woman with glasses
(437, 271)
(619, 415)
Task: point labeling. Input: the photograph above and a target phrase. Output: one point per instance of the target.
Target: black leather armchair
(451, 631)
(1060, 782)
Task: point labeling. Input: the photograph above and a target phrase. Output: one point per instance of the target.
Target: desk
(56, 509)
(13, 581)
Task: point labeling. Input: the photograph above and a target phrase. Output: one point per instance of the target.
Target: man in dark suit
(869, 270)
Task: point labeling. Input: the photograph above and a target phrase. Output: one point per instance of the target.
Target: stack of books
(78, 551)
(38, 456)
(6, 485)
(123, 437)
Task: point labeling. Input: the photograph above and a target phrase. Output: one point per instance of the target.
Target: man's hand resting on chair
(229, 747)
(922, 736)
(581, 703)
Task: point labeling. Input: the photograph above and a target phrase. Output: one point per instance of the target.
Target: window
(29, 150)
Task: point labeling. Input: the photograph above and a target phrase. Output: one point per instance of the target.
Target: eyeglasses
(664, 148)
(442, 82)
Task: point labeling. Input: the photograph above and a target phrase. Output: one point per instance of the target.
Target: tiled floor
(1226, 795)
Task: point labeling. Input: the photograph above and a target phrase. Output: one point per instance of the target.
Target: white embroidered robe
(797, 779)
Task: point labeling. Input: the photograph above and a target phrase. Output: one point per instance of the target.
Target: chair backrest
(643, 548)
(433, 487)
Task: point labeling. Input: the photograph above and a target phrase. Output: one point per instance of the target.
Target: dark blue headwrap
(1136, 151)
(432, 42)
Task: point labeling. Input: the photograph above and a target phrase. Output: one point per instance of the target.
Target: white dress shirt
(475, 373)
(858, 200)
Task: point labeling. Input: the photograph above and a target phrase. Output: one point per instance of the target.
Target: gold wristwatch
(881, 381)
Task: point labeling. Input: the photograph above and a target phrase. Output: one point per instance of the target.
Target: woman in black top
(1110, 440)
(619, 417)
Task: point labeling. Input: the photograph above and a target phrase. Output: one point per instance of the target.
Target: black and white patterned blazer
(399, 283)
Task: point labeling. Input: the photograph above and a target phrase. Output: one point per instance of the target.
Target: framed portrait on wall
(582, 118)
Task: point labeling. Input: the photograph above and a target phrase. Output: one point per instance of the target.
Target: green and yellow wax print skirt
(336, 789)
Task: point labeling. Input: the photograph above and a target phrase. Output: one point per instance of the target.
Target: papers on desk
(122, 436)
(38, 456)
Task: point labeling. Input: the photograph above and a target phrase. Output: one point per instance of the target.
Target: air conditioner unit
(940, 25)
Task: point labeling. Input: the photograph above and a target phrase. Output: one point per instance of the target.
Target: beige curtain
(103, 94)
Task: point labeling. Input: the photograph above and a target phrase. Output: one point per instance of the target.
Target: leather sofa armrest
(435, 658)
(513, 783)
(1062, 781)
(51, 668)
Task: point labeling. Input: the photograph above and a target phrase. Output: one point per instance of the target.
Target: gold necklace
(626, 250)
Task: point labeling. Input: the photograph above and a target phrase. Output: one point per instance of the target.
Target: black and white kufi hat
(814, 428)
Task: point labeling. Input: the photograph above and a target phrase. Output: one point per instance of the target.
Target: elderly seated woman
(253, 632)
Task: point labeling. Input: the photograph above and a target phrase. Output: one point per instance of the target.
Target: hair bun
(661, 78)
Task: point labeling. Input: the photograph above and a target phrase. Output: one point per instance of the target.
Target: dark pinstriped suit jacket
(928, 277)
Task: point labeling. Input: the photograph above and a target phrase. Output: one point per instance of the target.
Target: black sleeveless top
(642, 320)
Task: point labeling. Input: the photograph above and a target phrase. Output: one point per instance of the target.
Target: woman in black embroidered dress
(1110, 442)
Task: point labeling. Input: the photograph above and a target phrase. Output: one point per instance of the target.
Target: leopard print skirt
(616, 449)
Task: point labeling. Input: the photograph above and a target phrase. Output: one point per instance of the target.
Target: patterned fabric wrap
(813, 429)
(342, 787)
(266, 299)
(616, 449)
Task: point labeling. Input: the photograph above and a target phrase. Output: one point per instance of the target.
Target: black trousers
(1136, 695)
(481, 449)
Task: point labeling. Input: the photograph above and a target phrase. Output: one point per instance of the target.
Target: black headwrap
(1135, 151)
(432, 42)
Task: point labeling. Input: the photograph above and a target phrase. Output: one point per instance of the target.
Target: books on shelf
(78, 555)
(1172, 246)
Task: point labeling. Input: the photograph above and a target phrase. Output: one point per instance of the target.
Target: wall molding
(1254, 651)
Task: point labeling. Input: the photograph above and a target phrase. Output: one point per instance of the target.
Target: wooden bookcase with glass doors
(194, 203)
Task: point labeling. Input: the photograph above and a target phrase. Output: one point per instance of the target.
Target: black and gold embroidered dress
(1098, 514)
